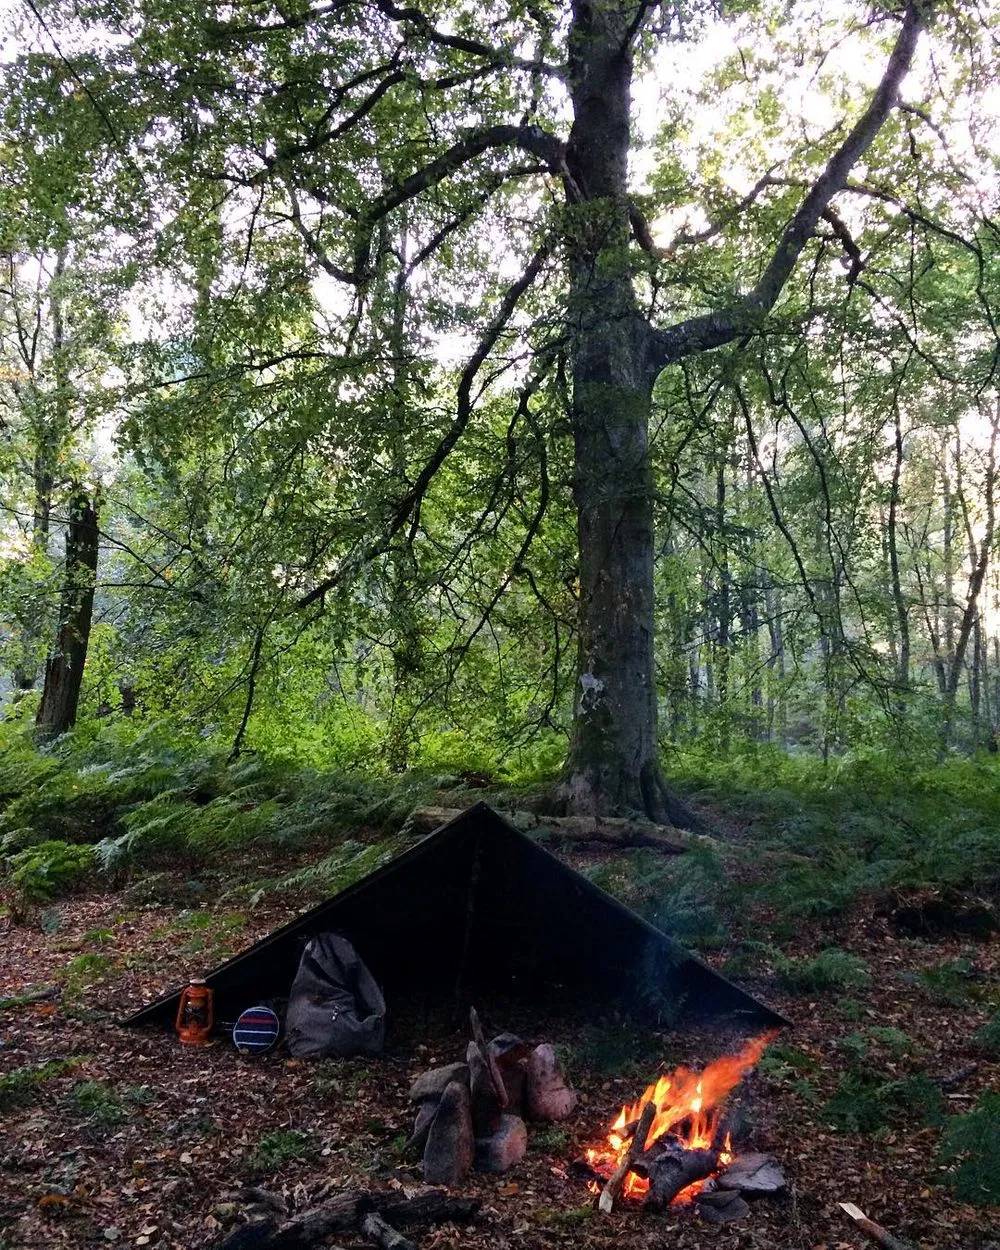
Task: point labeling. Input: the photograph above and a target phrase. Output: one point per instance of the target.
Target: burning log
(613, 1187)
(875, 1231)
(689, 1134)
(676, 1168)
(373, 1215)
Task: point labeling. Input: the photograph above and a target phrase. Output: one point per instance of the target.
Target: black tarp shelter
(478, 907)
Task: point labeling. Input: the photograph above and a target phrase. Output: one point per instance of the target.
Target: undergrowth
(861, 824)
(114, 805)
(988, 1037)
(280, 1147)
(21, 1086)
(129, 797)
(830, 969)
(864, 1102)
(679, 894)
(971, 1145)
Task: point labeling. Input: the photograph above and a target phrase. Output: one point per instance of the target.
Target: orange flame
(688, 1105)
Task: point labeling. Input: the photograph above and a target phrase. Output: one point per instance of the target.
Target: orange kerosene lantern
(195, 1015)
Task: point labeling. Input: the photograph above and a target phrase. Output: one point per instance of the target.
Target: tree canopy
(547, 379)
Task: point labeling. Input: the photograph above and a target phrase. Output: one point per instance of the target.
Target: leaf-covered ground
(128, 1138)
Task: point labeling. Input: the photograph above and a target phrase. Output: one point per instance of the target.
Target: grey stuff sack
(335, 1007)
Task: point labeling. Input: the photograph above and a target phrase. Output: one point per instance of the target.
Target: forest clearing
(499, 624)
(881, 1093)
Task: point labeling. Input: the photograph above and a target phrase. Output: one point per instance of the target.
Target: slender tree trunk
(51, 427)
(25, 671)
(979, 560)
(750, 620)
(723, 639)
(64, 667)
(898, 596)
(946, 624)
(775, 663)
(975, 679)
(406, 641)
(708, 626)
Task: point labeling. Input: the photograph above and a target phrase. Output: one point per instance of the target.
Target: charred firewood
(376, 1229)
(349, 1213)
(612, 1189)
(674, 1170)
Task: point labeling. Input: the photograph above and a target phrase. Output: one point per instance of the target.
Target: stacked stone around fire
(467, 1117)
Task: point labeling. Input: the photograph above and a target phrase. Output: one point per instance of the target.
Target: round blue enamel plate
(256, 1030)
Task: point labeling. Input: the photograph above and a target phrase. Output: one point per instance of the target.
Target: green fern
(349, 863)
(864, 1103)
(830, 969)
(988, 1037)
(49, 870)
(971, 1145)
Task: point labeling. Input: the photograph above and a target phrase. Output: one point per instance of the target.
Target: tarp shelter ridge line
(479, 900)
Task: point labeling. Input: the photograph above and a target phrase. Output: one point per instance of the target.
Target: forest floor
(137, 1140)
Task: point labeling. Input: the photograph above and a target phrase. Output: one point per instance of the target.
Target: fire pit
(674, 1144)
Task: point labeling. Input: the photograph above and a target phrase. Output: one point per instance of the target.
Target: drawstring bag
(335, 1007)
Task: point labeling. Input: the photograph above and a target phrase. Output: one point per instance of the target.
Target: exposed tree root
(612, 830)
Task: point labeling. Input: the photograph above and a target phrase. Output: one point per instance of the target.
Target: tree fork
(616, 358)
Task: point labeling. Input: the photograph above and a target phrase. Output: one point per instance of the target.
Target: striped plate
(256, 1030)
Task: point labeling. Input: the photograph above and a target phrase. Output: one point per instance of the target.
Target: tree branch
(549, 149)
(699, 334)
(404, 507)
(461, 43)
(531, 139)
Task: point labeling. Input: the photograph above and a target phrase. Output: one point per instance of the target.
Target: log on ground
(346, 1213)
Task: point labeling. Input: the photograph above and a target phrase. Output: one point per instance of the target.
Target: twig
(638, 1144)
(875, 1231)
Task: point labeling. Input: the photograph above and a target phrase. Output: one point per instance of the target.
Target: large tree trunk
(614, 728)
(612, 762)
(612, 765)
(616, 357)
(64, 667)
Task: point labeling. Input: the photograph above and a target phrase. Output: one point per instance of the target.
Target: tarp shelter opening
(475, 908)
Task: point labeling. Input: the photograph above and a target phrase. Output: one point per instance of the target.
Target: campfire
(674, 1143)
